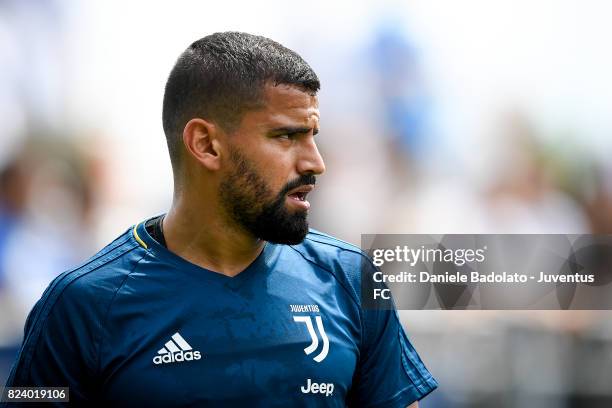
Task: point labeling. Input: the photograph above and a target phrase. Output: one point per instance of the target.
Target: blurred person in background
(12, 203)
(47, 192)
(403, 101)
(13, 199)
(526, 197)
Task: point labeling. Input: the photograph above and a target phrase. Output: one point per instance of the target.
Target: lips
(301, 192)
(297, 196)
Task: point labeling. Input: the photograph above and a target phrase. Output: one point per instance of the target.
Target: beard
(253, 205)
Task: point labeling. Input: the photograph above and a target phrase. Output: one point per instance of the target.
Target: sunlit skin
(278, 139)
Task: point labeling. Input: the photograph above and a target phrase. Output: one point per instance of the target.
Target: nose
(310, 160)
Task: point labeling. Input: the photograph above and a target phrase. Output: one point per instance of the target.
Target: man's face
(272, 164)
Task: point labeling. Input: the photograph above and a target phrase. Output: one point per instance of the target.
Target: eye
(286, 136)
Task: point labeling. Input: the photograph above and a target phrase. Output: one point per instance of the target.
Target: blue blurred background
(437, 117)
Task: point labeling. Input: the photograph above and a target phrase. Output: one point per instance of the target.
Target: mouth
(298, 195)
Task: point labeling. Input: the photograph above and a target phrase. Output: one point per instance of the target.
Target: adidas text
(177, 357)
(176, 350)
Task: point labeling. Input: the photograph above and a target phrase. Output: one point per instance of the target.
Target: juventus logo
(315, 340)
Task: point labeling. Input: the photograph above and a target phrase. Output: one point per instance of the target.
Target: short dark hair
(221, 76)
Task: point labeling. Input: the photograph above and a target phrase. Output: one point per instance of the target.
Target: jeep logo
(317, 388)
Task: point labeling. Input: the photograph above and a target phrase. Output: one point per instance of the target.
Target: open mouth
(298, 195)
(301, 196)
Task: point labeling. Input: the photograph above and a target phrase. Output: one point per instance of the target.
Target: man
(229, 299)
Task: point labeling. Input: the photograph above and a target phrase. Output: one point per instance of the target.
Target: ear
(200, 138)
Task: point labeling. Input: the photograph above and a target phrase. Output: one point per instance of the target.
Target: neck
(201, 235)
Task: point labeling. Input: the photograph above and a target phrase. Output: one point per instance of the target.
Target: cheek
(277, 178)
(274, 162)
(272, 174)
(278, 166)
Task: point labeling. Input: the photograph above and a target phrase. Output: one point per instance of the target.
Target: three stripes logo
(307, 320)
(176, 350)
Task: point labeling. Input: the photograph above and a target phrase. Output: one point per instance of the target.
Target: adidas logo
(176, 350)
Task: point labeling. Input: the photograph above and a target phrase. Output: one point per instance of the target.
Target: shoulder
(345, 261)
(325, 249)
(75, 304)
(89, 287)
(105, 270)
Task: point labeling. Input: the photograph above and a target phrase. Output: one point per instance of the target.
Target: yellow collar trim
(138, 239)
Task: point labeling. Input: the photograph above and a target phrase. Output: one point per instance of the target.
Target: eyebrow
(292, 130)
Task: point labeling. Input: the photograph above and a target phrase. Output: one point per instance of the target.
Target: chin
(293, 237)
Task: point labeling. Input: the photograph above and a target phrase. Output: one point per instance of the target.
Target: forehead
(284, 105)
